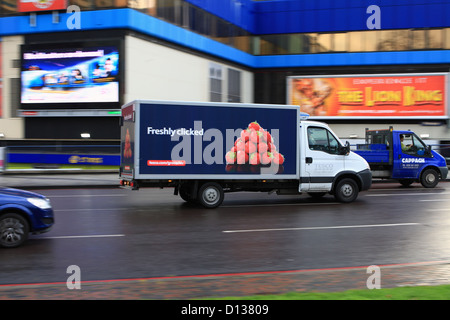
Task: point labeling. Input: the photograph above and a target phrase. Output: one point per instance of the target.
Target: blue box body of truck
(204, 149)
(403, 156)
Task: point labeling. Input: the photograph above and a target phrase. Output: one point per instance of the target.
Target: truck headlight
(40, 203)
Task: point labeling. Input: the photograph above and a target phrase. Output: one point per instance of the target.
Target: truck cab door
(323, 159)
(410, 156)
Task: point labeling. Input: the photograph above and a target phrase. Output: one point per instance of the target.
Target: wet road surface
(149, 244)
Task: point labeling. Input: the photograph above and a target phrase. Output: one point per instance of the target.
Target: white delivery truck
(204, 150)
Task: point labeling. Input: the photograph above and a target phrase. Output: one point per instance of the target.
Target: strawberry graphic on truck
(255, 146)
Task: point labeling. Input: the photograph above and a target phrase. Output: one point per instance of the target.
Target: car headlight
(40, 203)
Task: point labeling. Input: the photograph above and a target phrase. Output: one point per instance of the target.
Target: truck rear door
(322, 160)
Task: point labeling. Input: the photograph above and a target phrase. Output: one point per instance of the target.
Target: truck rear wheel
(429, 178)
(185, 193)
(346, 190)
(210, 195)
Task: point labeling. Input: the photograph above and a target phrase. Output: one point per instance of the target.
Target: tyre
(14, 230)
(210, 195)
(429, 178)
(346, 190)
(185, 193)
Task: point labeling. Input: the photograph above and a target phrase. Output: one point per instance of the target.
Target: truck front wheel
(210, 195)
(429, 178)
(346, 190)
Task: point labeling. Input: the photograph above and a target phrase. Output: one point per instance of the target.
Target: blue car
(21, 213)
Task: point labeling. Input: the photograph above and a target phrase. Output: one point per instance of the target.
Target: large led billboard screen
(70, 76)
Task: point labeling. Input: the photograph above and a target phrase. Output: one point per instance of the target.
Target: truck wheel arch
(344, 175)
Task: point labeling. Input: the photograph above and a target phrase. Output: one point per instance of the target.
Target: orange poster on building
(418, 95)
(41, 5)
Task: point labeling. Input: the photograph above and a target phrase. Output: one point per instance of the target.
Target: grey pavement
(43, 179)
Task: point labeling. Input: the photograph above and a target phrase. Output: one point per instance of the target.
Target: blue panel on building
(269, 17)
(75, 159)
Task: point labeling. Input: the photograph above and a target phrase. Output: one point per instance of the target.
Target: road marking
(92, 209)
(438, 209)
(85, 236)
(325, 228)
(88, 195)
(406, 194)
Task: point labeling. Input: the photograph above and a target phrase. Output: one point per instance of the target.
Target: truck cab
(403, 156)
(326, 161)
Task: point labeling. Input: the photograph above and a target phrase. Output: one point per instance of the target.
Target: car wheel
(429, 178)
(346, 190)
(210, 195)
(14, 230)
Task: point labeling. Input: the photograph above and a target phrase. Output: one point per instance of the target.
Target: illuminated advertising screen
(370, 96)
(70, 76)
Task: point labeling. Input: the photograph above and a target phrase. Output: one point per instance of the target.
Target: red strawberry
(266, 136)
(239, 144)
(278, 158)
(262, 147)
(250, 147)
(266, 157)
(255, 136)
(254, 158)
(271, 147)
(245, 135)
(242, 157)
(254, 125)
(230, 157)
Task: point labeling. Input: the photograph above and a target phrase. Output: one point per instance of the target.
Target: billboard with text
(368, 96)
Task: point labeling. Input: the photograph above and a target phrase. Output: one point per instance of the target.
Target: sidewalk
(226, 285)
(45, 179)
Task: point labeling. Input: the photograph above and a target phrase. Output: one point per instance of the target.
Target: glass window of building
(234, 85)
(84, 4)
(215, 82)
(446, 38)
(356, 41)
(435, 39)
(339, 42)
(418, 39)
(370, 40)
(387, 40)
(321, 42)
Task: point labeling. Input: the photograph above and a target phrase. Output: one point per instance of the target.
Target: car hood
(19, 193)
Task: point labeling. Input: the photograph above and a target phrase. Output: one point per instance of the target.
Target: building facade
(394, 56)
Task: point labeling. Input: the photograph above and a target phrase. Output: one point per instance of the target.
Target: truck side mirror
(428, 150)
(344, 150)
